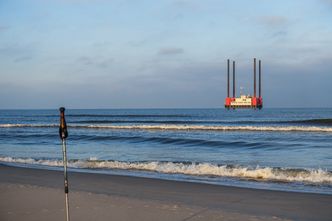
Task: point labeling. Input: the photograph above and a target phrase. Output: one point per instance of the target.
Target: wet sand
(35, 194)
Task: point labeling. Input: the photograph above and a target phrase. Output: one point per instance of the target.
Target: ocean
(277, 149)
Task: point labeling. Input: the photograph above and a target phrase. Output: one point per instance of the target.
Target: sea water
(280, 149)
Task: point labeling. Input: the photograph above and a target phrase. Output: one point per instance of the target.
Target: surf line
(186, 127)
(210, 128)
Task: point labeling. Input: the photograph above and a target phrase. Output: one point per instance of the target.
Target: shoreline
(242, 182)
(216, 200)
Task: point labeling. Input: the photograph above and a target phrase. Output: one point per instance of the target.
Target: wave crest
(187, 127)
(313, 176)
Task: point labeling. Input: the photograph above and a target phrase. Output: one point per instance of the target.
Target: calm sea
(283, 149)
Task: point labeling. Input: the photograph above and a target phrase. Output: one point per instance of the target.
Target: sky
(162, 54)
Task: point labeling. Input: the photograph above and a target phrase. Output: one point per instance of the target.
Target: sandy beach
(36, 194)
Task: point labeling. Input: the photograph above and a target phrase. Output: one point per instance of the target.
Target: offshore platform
(245, 101)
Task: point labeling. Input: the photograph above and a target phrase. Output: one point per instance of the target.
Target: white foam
(93, 158)
(55, 163)
(317, 176)
(188, 127)
(215, 128)
(27, 125)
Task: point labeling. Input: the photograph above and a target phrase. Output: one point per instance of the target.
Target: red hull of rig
(244, 101)
(255, 102)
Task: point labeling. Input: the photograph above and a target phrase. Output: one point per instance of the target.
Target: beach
(37, 194)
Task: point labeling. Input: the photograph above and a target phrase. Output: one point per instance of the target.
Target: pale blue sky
(165, 53)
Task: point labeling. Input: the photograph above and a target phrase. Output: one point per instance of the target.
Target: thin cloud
(279, 34)
(137, 43)
(273, 21)
(4, 28)
(170, 51)
(22, 59)
(16, 50)
(188, 4)
(85, 60)
(98, 62)
(277, 27)
(329, 2)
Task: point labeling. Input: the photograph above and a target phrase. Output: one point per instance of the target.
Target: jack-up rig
(244, 101)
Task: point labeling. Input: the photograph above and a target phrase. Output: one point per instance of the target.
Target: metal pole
(254, 77)
(227, 77)
(233, 79)
(260, 79)
(63, 135)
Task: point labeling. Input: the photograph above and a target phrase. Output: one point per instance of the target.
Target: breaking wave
(310, 176)
(186, 127)
(145, 122)
(28, 125)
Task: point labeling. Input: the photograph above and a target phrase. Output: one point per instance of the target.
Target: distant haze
(162, 54)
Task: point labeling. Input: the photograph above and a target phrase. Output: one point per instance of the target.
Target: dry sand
(34, 194)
